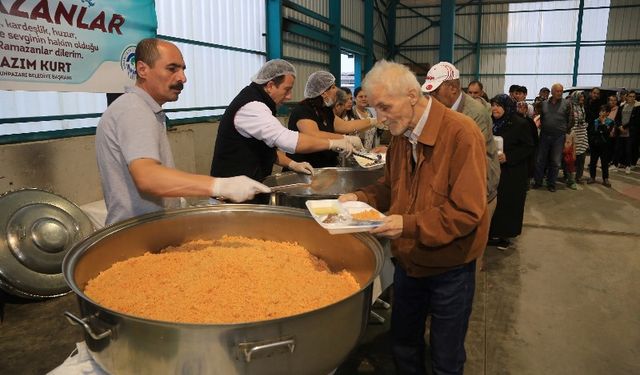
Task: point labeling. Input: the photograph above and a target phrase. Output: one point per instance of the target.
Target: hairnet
(272, 69)
(318, 83)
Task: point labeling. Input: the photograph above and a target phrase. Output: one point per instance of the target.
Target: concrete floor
(565, 299)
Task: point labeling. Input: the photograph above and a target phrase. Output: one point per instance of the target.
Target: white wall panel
(214, 76)
(236, 23)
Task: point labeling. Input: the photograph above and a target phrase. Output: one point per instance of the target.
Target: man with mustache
(133, 153)
(434, 192)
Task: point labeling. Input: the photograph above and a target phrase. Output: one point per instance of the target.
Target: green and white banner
(72, 45)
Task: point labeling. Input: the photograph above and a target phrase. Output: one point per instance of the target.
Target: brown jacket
(443, 202)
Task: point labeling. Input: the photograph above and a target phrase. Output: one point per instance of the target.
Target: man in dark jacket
(555, 124)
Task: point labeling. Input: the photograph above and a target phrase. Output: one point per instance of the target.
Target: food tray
(321, 209)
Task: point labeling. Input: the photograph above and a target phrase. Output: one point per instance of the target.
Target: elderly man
(134, 158)
(443, 84)
(251, 139)
(435, 194)
(555, 124)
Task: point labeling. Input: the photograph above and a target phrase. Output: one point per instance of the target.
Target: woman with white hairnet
(314, 116)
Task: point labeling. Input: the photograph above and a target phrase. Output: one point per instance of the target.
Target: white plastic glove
(301, 167)
(237, 189)
(355, 141)
(341, 146)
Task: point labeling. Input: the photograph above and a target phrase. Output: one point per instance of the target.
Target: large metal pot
(311, 343)
(343, 180)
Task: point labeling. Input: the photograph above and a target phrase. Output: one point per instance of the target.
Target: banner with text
(72, 45)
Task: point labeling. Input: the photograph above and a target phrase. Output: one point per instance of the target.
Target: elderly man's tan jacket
(442, 197)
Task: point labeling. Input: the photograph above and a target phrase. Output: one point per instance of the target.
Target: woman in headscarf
(518, 145)
(579, 129)
(314, 116)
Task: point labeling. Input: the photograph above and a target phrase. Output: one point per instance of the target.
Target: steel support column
(576, 55)
(447, 30)
(274, 29)
(357, 70)
(368, 36)
(334, 29)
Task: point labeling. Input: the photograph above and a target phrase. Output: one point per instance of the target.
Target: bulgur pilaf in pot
(231, 280)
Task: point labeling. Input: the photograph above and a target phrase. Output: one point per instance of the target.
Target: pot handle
(249, 349)
(74, 320)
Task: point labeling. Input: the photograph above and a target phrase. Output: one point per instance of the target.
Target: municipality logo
(128, 61)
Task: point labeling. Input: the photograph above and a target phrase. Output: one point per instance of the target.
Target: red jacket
(443, 204)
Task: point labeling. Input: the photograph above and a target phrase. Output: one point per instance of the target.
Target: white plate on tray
(338, 218)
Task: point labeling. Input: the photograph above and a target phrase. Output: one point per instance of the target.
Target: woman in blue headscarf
(518, 145)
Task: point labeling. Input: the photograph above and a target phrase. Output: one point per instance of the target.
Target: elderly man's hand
(391, 227)
(301, 167)
(348, 197)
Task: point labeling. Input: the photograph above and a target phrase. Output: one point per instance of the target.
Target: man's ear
(413, 96)
(142, 69)
(269, 86)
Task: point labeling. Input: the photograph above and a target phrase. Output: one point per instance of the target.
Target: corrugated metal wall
(408, 24)
(379, 37)
(352, 17)
(318, 6)
(493, 61)
(306, 54)
(620, 61)
(424, 47)
(309, 55)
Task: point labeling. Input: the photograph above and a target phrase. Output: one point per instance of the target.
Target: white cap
(442, 71)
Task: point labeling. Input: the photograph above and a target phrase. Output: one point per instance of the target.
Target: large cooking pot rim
(79, 248)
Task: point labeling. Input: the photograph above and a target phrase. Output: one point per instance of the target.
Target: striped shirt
(580, 129)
